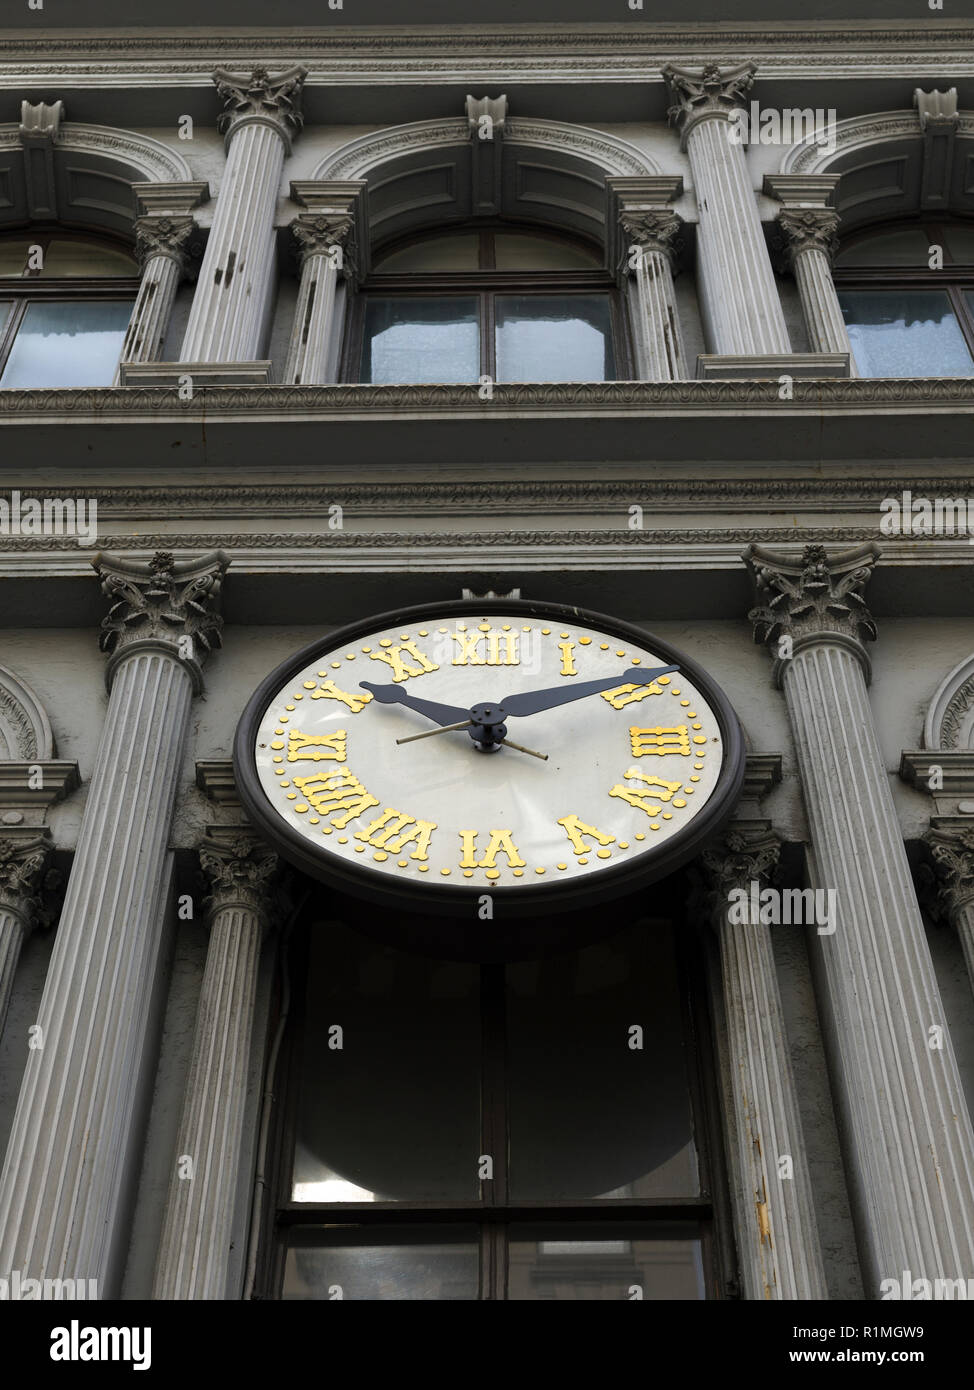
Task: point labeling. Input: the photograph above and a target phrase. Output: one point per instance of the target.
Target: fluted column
(650, 236)
(332, 245)
(910, 1154)
(195, 1245)
(228, 319)
(72, 1145)
(739, 299)
(23, 856)
(162, 236)
(778, 1242)
(952, 848)
(807, 227)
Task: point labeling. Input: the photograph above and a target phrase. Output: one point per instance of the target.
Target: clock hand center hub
(487, 727)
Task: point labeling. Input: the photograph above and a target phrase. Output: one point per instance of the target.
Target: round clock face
(623, 766)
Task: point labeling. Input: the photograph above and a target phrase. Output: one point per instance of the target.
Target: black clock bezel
(456, 900)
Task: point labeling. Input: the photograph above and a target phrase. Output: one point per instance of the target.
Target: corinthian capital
(319, 233)
(712, 92)
(274, 101)
(167, 604)
(953, 858)
(163, 236)
(240, 870)
(23, 860)
(743, 854)
(808, 229)
(653, 229)
(815, 599)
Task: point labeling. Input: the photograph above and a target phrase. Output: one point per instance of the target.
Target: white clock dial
(624, 770)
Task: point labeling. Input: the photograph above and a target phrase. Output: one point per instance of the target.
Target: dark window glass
(440, 1263)
(394, 1114)
(590, 1116)
(587, 1262)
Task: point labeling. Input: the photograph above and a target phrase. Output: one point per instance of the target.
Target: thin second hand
(431, 733)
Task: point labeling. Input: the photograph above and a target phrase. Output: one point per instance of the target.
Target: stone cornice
(609, 497)
(614, 52)
(87, 405)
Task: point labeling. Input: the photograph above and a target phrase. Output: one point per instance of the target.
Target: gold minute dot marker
(380, 856)
(518, 873)
(654, 825)
(359, 849)
(603, 646)
(492, 873)
(539, 871)
(468, 873)
(546, 632)
(585, 641)
(445, 873)
(640, 835)
(623, 844)
(562, 866)
(604, 853)
(402, 864)
(667, 815)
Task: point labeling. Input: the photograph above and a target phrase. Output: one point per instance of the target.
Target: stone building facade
(730, 483)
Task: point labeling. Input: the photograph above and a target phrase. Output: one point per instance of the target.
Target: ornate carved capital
(318, 233)
(697, 96)
(953, 857)
(743, 854)
(163, 236)
(653, 229)
(23, 861)
(815, 599)
(164, 604)
(806, 229)
(273, 101)
(239, 868)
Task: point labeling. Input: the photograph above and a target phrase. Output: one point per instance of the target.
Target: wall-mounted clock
(590, 758)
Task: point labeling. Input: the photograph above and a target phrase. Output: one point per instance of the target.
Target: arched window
(504, 302)
(65, 303)
(907, 294)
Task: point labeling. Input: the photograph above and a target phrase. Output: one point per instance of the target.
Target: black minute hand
(534, 701)
(395, 695)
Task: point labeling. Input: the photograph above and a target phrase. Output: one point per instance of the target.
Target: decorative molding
(949, 721)
(813, 366)
(18, 798)
(585, 397)
(817, 598)
(158, 603)
(355, 159)
(25, 730)
(495, 110)
(471, 544)
(460, 497)
(856, 133)
(654, 229)
(151, 159)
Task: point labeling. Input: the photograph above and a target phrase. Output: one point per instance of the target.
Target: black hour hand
(395, 695)
(533, 701)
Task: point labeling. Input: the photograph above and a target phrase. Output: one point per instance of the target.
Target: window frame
(486, 285)
(497, 1216)
(953, 279)
(32, 286)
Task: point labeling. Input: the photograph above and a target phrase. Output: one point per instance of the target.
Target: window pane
(522, 251)
(394, 1115)
(960, 244)
(461, 252)
(589, 1116)
(899, 246)
(67, 257)
(432, 1262)
(905, 333)
(584, 1262)
(68, 343)
(421, 341)
(554, 338)
(13, 257)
